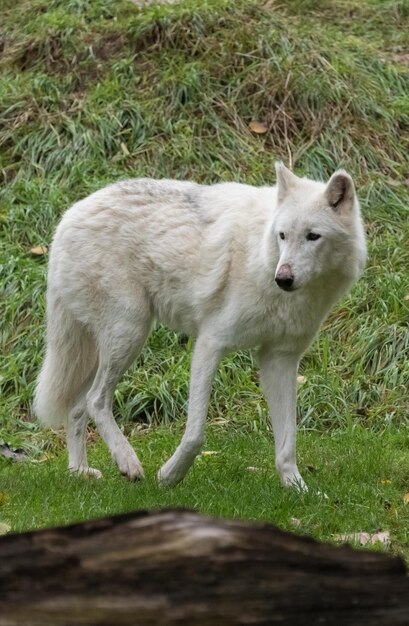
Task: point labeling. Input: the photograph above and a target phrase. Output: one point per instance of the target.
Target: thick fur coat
(234, 265)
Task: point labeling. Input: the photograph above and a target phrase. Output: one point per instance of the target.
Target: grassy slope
(96, 90)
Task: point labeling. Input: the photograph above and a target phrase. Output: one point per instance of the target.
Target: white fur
(203, 260)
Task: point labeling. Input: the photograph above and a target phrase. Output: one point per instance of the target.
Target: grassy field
(363, 475)
(96, 90)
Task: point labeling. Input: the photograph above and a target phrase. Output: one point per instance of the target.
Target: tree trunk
(179, 568)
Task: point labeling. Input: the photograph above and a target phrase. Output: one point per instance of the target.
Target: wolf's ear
(285, 180)
(340, 192)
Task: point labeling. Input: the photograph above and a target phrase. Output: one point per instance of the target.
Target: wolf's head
(318, 229)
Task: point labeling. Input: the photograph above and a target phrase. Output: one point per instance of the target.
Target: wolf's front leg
(205, 360)
(278, 375)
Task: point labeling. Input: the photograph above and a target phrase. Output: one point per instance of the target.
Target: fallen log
(179, 568)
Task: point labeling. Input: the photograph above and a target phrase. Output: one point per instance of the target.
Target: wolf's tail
(70, 358)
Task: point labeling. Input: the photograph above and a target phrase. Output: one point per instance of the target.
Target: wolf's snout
(284, 277)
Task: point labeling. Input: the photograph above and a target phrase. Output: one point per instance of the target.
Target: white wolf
(234, 265)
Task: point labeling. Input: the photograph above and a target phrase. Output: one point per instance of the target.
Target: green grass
(93, 91)
(364, 477)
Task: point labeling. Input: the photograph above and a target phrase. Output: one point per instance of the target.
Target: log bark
(179, 568)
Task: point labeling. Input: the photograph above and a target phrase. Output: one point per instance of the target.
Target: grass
(95, 91)
(364, 477)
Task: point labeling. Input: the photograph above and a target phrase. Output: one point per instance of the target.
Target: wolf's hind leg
(76, 434)
(119, 343)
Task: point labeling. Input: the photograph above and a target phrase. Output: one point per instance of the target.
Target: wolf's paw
(130, 466)
(85, 472)
(300, 486)
(296, 482)
(169, 475)
(95, 473)
(165, 480)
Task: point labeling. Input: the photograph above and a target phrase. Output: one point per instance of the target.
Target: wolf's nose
(285, 283)
(284, 277)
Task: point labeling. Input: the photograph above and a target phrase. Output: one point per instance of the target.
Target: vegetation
(97, 90)
(364, 477)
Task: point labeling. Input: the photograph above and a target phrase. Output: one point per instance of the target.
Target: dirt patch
(402, 58)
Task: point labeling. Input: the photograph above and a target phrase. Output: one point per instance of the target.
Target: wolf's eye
(281, 235)
(313, 236)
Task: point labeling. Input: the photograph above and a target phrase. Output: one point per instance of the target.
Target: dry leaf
(210, 452)
(258, 127)
(381, 537)
(406, 498)
(252, 468)
(385, 482)
(4, 528)
(220, 421)
(393, 183)
(294, 521)
(3, 497)
(365, 538)
(43, 459)
(125, 149)
(39, 250)
(301, 379)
